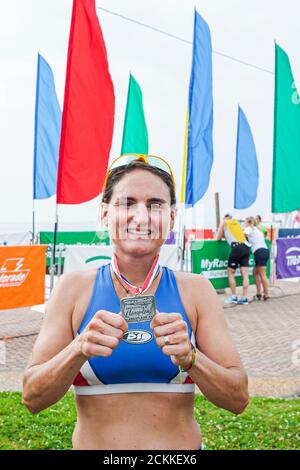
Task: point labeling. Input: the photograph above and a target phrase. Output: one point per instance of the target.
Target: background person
(260, 226)
(232, 231)
(129, 390)
(261, 256)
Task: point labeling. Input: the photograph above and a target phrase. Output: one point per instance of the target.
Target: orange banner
(22, 276)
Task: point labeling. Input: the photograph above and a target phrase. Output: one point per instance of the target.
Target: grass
(266, 424)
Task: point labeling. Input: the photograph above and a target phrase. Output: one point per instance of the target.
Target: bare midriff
(136, 421)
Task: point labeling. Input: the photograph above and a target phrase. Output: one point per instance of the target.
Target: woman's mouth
(139, 233)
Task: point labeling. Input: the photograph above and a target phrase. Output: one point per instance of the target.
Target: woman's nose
(140, 213)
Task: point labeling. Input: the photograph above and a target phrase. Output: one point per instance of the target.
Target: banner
(46, 133)
(286, 161)
(88, 113)
(8, 239)
(22, 276)
(197, 234)
(210, 258)
(198, 153)
(289, 233)
(288, 258)
(172, 237)
(89, 257)
(135, 134)
(71, 238)
(246, 172)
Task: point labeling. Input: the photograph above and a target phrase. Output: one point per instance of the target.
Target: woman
(134, 381)
(261, 257)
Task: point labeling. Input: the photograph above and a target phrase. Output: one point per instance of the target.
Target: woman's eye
(155, 206)
(125, 203)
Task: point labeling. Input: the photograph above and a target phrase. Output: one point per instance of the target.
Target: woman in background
(261, 255)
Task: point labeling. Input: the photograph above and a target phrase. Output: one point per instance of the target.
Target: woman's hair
(117, 174)
(258, 218)
(251, 220)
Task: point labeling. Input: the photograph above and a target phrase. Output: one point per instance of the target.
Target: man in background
(232, 231)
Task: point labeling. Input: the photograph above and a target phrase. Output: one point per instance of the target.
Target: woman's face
(139, 216)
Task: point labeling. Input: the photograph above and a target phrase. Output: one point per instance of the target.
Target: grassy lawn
(266, 424)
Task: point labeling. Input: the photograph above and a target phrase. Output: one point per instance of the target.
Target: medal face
(138, 309)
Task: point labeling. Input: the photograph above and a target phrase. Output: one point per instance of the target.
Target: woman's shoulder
(70, 290)
(193, 283)
(78, 277)
(71, 295)
(74, 283)
(198, 296)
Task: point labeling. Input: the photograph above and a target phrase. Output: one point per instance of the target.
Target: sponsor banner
(15, 239)
(289, 233)
(288, 258)
(197, 234)
(91, 257)
(22, 276)
(210, 258)
(81, 258)
(71, 238)
(171, 240)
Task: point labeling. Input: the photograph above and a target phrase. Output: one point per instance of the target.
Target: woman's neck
(135, 269)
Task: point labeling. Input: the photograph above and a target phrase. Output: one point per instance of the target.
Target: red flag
(88, 114)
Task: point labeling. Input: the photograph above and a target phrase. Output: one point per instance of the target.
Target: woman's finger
(170, 328)
(171, 339)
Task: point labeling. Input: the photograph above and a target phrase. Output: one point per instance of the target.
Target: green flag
(286, 158)
(135, 135)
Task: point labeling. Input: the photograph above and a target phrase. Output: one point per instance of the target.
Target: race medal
(138, 309)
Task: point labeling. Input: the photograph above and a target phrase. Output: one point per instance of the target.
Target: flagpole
(33, 223)
(181, 235)
(53, 265)
(217, 209)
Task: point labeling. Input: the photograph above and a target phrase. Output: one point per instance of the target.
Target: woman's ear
(173, 217)
(104, 214)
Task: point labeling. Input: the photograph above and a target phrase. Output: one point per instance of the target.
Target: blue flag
(246, 175)
(47, 133)
(199, 154)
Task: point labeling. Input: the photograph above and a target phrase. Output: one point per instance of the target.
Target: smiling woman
(134, 337)
(144, 212)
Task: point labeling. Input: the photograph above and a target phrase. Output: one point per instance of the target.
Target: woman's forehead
(141, 184)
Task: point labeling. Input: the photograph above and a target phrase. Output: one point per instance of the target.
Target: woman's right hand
(102, 335)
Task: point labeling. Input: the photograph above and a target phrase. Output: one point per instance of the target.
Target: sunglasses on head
(151, 160)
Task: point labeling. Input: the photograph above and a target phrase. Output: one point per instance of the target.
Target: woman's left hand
(171, 334)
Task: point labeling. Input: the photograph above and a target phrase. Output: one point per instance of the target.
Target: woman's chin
(138, 246)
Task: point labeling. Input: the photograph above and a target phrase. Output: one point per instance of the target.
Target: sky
(243, 29)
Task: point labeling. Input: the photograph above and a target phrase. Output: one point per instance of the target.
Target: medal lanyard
(134, 290)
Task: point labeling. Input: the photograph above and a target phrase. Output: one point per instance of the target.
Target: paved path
(264, 333)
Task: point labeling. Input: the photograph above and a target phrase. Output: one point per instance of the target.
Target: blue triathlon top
(137, 364)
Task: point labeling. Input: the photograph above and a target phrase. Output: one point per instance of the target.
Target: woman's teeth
(139, 232)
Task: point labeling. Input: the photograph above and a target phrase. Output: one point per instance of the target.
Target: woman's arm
(218, 371)
(220, 232)
(57, 356)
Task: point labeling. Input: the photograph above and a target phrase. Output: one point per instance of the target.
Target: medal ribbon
(134, 290)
